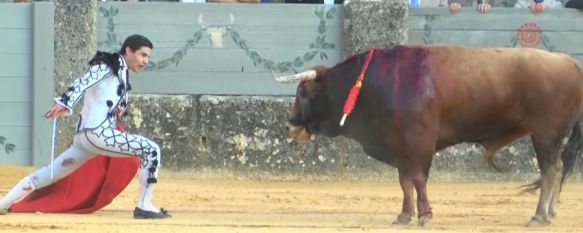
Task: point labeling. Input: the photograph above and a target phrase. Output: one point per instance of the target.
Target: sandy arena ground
(214, 206)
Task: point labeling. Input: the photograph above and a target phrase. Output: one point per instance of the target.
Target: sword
(53, 145)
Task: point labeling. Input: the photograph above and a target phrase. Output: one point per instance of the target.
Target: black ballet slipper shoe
(145, 214)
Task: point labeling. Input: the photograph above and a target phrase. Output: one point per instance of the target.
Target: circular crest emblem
(529, 35)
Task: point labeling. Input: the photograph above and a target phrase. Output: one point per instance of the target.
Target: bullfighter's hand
(55, 111)
(120, 112)
(536, 8)
(454, 7)
(484, 8)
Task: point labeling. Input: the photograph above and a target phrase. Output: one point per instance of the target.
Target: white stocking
(146, 190)
(20, 191)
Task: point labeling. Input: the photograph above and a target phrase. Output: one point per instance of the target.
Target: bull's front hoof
(423, 219)
(402, 219)
(537, 221)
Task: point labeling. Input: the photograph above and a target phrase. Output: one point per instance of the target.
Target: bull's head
(312, 108)
(216, 33)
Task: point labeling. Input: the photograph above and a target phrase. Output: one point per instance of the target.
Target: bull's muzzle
(298, 133)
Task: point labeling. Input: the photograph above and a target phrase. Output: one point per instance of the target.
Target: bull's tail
(572, 151)
(570, 155)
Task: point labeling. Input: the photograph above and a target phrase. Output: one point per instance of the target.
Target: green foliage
(111, 44)
(319, 46)
(8, 147)
(427, 29)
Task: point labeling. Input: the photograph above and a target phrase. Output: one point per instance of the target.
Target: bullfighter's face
(137, 59)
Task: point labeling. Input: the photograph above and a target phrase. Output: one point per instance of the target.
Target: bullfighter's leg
(112, 142)
(63, 165)
(547, 154)
(407, 186)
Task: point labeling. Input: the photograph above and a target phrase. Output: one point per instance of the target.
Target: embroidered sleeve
(75, 91)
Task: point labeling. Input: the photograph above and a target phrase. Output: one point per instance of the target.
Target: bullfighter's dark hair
(110, 59)
(135, 42)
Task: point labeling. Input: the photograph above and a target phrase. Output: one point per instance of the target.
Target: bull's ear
(306, 75)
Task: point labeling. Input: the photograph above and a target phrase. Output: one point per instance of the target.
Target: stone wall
(242, 137)
(75, 44)
(374, 23)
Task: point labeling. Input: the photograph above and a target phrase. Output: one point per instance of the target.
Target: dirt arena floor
(216, 206)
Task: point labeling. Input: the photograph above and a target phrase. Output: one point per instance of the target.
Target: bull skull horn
(306, 75)
(201, 22)
(230, 26)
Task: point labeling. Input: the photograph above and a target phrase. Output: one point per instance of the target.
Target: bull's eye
(301, 93)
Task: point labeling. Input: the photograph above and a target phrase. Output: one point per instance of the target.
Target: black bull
(416, 100)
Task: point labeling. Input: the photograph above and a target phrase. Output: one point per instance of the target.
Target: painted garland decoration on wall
(317, 47)
(528, 35)
(8, 147)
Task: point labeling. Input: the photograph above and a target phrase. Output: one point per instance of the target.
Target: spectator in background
(538, 6)
(313, 1)
(482, 6)
(222, 1)
(415, 3)
(577, 4)
(234, 1)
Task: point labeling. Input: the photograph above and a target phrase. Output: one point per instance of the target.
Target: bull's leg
(408, 210)
(547, 154)
(490, 147)
(556, 188)
(419, 176)
(420, 153)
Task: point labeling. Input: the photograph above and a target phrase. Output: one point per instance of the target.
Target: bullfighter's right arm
(75, 91)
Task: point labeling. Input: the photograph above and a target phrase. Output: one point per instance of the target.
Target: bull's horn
(306, 75)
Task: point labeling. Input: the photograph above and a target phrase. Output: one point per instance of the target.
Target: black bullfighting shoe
(145, 214)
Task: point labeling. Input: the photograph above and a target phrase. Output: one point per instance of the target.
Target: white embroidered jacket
(105, 94)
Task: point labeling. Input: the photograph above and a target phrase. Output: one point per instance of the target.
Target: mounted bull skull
(216, 33)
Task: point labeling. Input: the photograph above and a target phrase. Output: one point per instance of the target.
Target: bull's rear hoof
(538, 222)
(402, 219)
(423, 220)
(552, 214)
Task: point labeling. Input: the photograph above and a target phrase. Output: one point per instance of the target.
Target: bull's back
(487, 92)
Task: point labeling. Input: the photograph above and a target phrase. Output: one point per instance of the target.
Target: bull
(416, 100)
